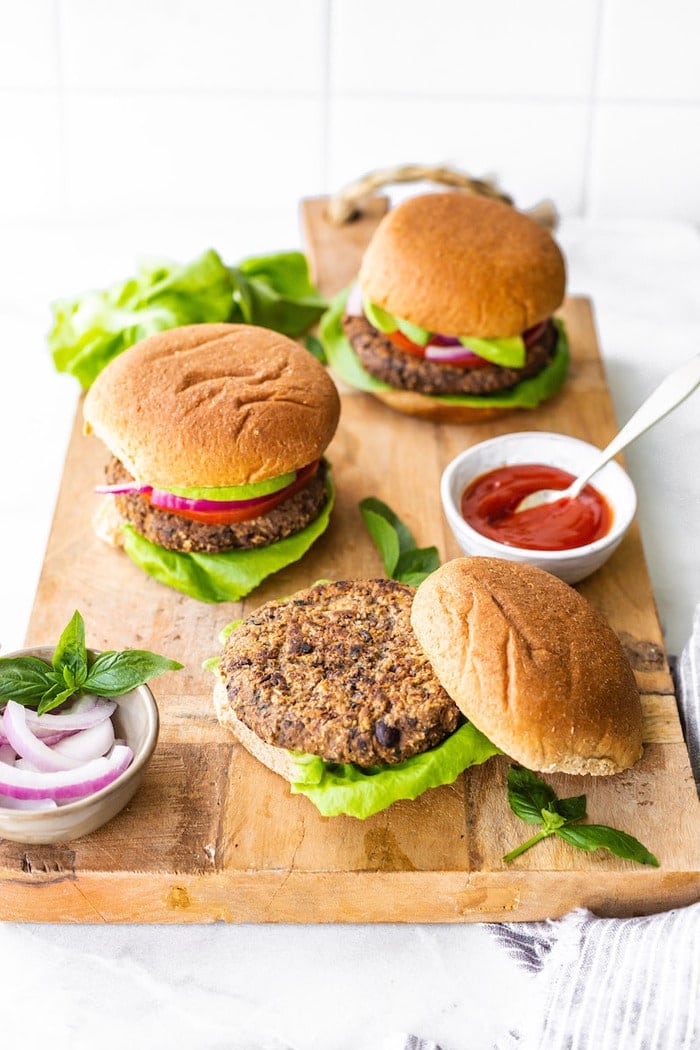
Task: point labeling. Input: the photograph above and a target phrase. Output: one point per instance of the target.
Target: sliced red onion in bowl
(78, 717)
(22, 739)
(67, 784)
(7, 754)
(34, 804)
(88, 743)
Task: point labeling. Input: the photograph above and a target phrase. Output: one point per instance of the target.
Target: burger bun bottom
(276, 759)
(414, 404)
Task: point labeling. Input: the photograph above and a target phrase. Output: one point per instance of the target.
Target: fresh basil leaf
(70, 653)
(114, 673)
(315, 347)
(385, 538)
(551, 820)
(403, 533)
(571, 808)
(597, 836)
(528, 795)
(24, 679)
(414, 565)
(54, 698)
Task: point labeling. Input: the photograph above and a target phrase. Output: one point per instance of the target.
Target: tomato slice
(402, 343)
(232, 517)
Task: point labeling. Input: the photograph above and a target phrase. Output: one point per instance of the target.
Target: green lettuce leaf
(91, 329)
(276, 291)
(336, 789)
(229, 576)
(527, 394)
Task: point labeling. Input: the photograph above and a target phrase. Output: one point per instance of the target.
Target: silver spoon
(674, 389)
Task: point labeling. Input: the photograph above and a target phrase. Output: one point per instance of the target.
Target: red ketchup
(489, 502)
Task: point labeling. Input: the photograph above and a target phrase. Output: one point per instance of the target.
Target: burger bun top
(529, 661)
(213, 405)
(461, 264)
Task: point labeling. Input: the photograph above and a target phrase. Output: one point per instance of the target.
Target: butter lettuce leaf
(274, 291)
(91, 329)
(526, 394)
(336, 788)
(230, 575)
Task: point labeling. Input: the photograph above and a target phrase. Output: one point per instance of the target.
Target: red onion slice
(353, 306)
(167, 501)
(450, 355)
(122, 488)
(28, 746)
(88, 743)
(68, 783)
(73, 719)
(36, 804)
(7, 754)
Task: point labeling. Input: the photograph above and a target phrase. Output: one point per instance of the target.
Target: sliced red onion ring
(353, 306)
(36, 804)
(88, 743)
(30, 747)
(531, 335)
(65, 784)
(167, 501)
(450, 355)
(76, 718)
(7, 754)
(443, 340)
(122, 488)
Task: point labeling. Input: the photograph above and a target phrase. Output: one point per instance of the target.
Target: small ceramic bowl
(556, 450)
(136, 721)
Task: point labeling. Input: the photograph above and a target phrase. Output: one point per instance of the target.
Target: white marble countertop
(313, 988)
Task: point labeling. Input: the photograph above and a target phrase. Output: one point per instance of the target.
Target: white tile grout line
(58, 44)
(325, 143)
(593, 109)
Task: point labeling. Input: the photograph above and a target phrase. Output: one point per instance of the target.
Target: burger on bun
(364, 692)
(217, 434)
(451, 317)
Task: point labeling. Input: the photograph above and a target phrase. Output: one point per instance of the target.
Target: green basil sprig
(403, 560)
(535, 802)
(45, 686)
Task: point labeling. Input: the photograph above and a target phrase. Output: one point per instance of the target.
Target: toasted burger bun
(213, 405)
(460, 264)
(531, 664)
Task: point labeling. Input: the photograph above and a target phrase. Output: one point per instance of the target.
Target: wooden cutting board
(213, 835)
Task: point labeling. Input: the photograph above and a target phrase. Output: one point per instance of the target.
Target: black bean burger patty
(176, 533)
(406, 371)
(337, 671)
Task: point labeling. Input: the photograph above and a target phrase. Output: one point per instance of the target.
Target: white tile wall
(158, 107)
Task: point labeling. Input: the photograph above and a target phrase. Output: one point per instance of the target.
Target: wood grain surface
(212, 835)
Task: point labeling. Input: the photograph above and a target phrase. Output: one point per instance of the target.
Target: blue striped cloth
(613, 984)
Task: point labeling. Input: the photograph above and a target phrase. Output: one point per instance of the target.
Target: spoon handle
(669, 393)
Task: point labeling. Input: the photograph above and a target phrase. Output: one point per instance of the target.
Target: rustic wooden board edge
(321, 897)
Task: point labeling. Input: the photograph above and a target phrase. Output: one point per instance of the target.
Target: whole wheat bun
(275, 758)
(531, 664)
(461, 264)
(213, 405)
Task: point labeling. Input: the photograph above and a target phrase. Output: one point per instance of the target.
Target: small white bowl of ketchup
(483, 485)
